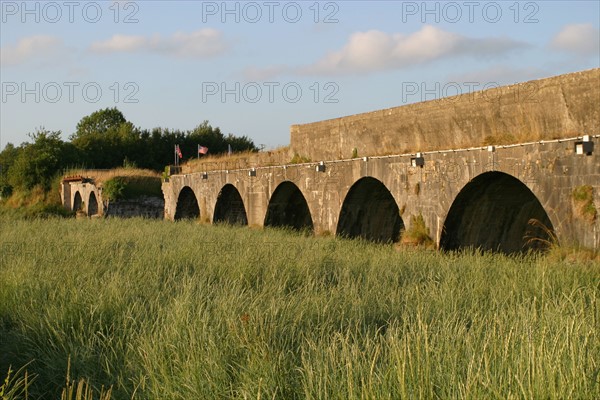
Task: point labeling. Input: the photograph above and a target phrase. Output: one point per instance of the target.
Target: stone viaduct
(506, 169)
(79, 193)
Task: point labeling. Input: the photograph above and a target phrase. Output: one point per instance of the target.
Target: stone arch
(230, 207)
(77, 201)
(370, 211)
(92, 204)
(495, 211)
(288, 207)
(187, 205)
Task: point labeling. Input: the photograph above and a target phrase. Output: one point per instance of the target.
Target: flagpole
(198, 153)
(175, 154)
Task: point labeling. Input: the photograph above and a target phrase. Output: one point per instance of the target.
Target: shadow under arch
(187, 205)
(496, 211)
(230, 207)
(77, 201)
(92, 205)
(288, 208)
(370, 211)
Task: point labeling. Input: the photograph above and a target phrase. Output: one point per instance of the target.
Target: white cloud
(581, 39)
(376, 51)
(120, 43)
(32, 48)
(202, 43)
(372, 51)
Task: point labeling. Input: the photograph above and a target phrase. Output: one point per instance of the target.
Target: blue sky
(255, 68)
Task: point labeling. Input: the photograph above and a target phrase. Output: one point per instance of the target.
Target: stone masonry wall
(145, 206)
(558, 107)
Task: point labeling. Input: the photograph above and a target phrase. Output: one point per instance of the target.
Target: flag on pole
(178, 151)
(202, 149)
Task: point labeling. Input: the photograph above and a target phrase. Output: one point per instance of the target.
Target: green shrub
(131, 187)
(418, 233)
(114, 189)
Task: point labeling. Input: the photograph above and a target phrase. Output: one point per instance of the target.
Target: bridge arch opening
(92, 204)
(369, 211)
(288, 208)
(230, 207)
(187, 205)
(496, 211)
(77, 201)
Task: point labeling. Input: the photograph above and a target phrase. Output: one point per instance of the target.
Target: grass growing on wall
(157, 310)
(583, 197)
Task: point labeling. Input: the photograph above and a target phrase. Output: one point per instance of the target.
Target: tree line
(104, 140)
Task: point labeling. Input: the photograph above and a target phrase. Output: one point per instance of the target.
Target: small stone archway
(92, 205)
(370, 211)
(77, 201)
(187, 205)
(288, 208)
(230, 207)
(496, 211)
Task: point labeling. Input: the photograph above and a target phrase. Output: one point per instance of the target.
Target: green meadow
(140, 309)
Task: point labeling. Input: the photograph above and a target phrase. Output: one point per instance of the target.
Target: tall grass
(157, 310)
(101, 175)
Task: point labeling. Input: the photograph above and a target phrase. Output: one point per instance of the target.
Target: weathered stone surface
(558, 107)
(143, 206)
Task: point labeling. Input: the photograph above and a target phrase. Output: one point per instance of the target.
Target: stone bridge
(487, 197)
(498, 196)
(79, 193)
(484, 192)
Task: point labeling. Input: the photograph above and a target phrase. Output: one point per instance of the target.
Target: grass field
(160, 310)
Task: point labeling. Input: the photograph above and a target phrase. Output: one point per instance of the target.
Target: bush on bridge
(130, 187)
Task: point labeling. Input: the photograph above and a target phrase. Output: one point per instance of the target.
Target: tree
(99, 122)
(38, 162)
(106, 139)
(7, 159)
(212, 138)
(240, 143)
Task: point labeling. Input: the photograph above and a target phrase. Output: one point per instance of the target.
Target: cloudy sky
(255, 68)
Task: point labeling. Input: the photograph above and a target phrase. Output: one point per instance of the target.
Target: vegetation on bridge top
(131, 187)
(240, 160)
(100, 176)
